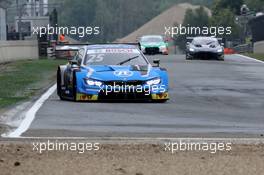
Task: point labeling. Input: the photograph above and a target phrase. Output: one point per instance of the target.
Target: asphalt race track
(207, 99)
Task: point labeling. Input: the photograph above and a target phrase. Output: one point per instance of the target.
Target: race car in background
(153, 44)
(204, 48)
(111, 72)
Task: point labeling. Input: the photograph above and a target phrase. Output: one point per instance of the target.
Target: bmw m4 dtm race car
(111, 72)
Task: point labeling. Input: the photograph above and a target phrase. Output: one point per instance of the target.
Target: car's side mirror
(139, 46)
(222, 44)
(73, 62)
(157, 62)
(79, 61)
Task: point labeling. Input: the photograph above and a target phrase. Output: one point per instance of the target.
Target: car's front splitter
(88, 97)
(161, 96)
(205, 55)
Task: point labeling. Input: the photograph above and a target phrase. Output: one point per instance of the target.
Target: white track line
(150, 139)
(30, 114)
(249, 58)
(145, 138)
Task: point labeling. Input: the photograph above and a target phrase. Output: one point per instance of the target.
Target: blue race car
(111, 72)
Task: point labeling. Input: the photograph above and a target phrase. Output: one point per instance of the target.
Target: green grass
(257, 56)
(23, 79)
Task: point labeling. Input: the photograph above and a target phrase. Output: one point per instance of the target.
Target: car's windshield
(152, 39)
(114, 57)
(205, 41)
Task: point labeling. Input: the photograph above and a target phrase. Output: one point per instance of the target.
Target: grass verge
(23, 79)
(258, 56)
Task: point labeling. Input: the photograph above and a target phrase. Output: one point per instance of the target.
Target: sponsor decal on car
(95, 51)
(123, 73)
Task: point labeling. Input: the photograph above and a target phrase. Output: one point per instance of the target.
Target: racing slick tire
(59, 93)
(188, 57)
(160, 101)
(74, 87)
(221, 58)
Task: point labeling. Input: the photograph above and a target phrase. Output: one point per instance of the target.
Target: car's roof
(107, 46)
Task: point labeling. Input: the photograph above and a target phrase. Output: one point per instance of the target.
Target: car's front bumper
(205, 55)
(113, 90)
(122, 96)
(155, 50)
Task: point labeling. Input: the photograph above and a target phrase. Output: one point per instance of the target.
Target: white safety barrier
(18, 50)
(259, 47)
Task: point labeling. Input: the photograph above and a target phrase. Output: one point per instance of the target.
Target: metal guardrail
(244, 48)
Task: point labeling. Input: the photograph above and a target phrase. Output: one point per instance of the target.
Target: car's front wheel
(188, 57)
(59, 92)
(58, 83)
(221, 58)
(74, 87)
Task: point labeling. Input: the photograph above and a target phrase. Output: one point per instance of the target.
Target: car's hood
(121, 73)
(152, 44)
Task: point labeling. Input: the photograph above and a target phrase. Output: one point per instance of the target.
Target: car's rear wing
(191, 38)
(66, 50)
(68, 47)
(76, 47)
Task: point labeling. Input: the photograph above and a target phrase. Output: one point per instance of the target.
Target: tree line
(224, 14)
(116, 18)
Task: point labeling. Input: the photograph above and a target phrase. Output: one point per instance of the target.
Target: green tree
(233, 5)
(116, 18)
(77, 14)
(196, 18)
(255, 5)
(226, 18)
(193, 18)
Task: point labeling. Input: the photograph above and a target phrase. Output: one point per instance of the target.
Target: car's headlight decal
(192, 50)
(153, 81)
(91, 82)
(162, 47)
(220, 50)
